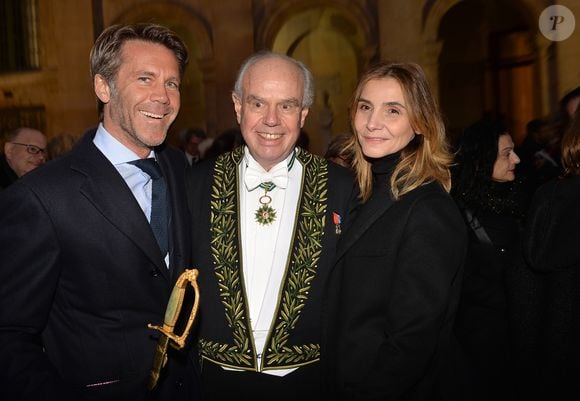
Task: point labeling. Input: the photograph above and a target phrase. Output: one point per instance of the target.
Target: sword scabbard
(159, 361)
(172, 313)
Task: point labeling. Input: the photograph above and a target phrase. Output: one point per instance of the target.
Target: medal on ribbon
(266, 214)
(337, 219)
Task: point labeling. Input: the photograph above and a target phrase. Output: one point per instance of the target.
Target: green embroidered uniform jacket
(224, 328)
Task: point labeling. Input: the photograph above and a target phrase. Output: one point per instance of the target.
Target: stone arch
(435, 10)
(198, 86)
(527, 68)
(336, 42)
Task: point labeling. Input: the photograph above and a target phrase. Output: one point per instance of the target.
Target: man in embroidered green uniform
(267, 218)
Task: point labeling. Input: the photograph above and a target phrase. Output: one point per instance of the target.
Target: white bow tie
(253, 177)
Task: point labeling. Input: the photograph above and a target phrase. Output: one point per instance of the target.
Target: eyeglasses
(32, 149)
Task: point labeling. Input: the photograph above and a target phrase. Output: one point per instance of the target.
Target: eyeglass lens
(32, 149)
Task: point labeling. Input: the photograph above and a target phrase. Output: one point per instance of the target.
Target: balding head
(25, 150)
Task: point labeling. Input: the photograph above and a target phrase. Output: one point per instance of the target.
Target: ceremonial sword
(172, 313)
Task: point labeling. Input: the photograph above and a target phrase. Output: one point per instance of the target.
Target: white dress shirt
(266, 248)
(119, 155)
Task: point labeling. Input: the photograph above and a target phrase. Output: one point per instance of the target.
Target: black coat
(482, 322)
(392, 298)
(547, 298)
(82, 276)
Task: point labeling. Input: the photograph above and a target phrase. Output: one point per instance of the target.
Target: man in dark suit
(267, 218)
(83, 273)
(190, 138)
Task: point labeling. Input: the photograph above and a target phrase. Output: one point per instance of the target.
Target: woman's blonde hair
(427, 157)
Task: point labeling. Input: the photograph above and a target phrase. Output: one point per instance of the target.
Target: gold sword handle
(188, 277)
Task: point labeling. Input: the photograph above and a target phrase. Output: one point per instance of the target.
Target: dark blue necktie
(158, 201)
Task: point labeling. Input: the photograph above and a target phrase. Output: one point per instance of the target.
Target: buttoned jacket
(82, 276)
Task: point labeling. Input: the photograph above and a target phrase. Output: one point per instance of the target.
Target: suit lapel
(367, 214)
(107, 191)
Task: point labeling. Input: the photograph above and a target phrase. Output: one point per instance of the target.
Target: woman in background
(485, 189)
(548, 340)
(393, 292)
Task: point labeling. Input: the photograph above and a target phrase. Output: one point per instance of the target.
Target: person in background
(83, 271)
(547, 339)
(536, 165)
(569, 104)
(492, 202)
(393, 291)
(204, 146)
(226, 141)
(267, 216)
(190, 139)
(337, 151)
(548, 158)
(24, 150)
(60, 144)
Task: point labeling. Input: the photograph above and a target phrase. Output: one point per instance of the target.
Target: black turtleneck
(382, 169)
(384, 165)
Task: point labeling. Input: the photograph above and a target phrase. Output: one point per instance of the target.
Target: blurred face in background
(572, 106)
(26, 151)
(505, 163)
(192, 147)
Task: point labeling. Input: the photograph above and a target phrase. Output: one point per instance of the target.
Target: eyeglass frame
(32, 149)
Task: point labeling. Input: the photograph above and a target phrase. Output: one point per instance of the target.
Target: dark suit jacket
(81, 276)
(392, 296)
(7, 175)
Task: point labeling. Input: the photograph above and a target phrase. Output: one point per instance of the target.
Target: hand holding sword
(172, 313)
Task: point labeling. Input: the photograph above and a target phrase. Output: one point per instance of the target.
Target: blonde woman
(393, 292)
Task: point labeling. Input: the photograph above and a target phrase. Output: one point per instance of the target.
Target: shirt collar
(115, 151)
(250, 161)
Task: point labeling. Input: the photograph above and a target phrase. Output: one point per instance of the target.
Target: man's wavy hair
(105, 57)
